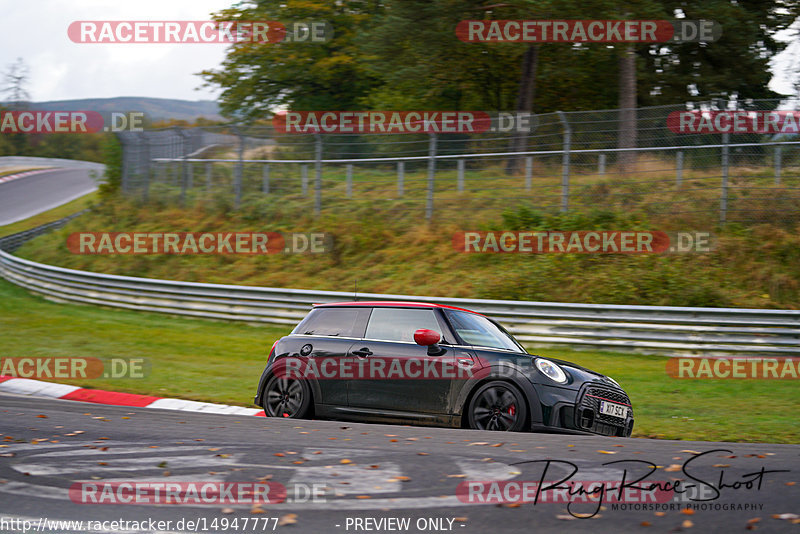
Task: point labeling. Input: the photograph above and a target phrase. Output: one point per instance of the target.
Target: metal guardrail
(645, 329)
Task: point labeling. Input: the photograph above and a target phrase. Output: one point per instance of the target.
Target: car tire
(497, 405)
(286, 397)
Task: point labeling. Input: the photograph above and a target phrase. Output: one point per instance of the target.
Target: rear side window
(339, 322)
(398, 324)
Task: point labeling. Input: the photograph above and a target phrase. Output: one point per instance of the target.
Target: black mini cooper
(418, 363)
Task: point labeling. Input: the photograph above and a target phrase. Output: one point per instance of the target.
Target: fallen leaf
(460, 519)
(785, 516)
(607, 452)
(645, 523)
(345, 461)
(687, 451)
(565, 517)
(422, 454)
(721, 465)
(661, 514)
(497, 445)
(363, 497)
(42, 416)
(791, 483)
(478, 443)
(288, 519)
(456, 476)
(687, 511)
(687, 524)
(227, 510)
(673, 467)
(256, 509)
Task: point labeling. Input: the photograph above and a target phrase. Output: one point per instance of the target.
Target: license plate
(616, 410)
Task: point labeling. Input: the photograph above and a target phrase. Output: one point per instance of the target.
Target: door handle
(363, 352)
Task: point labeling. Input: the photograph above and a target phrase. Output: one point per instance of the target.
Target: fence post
(208, 177)
(679, 168)
(723, 200)
(460, 164)
(317, 174)
(239, 171)
(126, 156)
(565, 161)
(265, 179)
(146, 186)
(528, 172)
(601, 164)
(431, 173)
(304, 179)
(401, 176)
(184, 171)
(778, 165)
(349, 179)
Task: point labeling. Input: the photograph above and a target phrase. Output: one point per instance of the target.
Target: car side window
(338, 322)
(399, 324)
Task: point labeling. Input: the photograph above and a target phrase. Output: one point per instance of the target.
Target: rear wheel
(287, 397)
(497, 406)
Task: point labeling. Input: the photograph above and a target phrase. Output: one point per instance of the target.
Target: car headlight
(551, 370)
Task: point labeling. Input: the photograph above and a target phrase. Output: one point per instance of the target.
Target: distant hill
(154, 108)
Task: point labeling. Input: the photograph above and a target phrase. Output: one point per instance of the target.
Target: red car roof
(392, 304)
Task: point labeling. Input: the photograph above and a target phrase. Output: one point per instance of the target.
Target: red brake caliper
(512, 410)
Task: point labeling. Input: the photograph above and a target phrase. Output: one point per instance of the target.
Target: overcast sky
(59, 69)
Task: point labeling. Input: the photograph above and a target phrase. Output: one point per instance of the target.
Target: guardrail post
(349, 179)
(265, 179)
(431, 173)
(317, 174)
(723, 199)
(528, 173)
(208, 177)
(679, 168)
(460, 164)
(778, 165)
(401, 176)
(601, 164)
(565, 161)
(304, 179)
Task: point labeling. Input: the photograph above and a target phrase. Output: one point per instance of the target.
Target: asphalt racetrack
(345, 477)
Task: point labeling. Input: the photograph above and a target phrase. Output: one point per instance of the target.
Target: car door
(324, 341)
(396, 374)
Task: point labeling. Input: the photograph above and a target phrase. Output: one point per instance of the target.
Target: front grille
(587, 412)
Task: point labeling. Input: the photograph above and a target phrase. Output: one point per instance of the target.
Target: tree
(16, 80)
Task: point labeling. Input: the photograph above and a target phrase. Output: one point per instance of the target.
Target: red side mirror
(426, 337)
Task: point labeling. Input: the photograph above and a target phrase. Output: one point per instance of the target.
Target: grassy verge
(54, 214)
(221, 362)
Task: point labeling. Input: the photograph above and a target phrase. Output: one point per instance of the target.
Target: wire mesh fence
(569, 161)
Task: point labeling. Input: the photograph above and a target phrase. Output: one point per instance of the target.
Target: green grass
(221, 362)
(54, 214)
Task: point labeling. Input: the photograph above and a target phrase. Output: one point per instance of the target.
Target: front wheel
(286, 397)
(497, 405)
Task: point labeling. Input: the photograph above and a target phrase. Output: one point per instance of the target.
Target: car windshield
(477, 330)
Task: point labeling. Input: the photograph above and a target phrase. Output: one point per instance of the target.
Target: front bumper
(581, 412)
